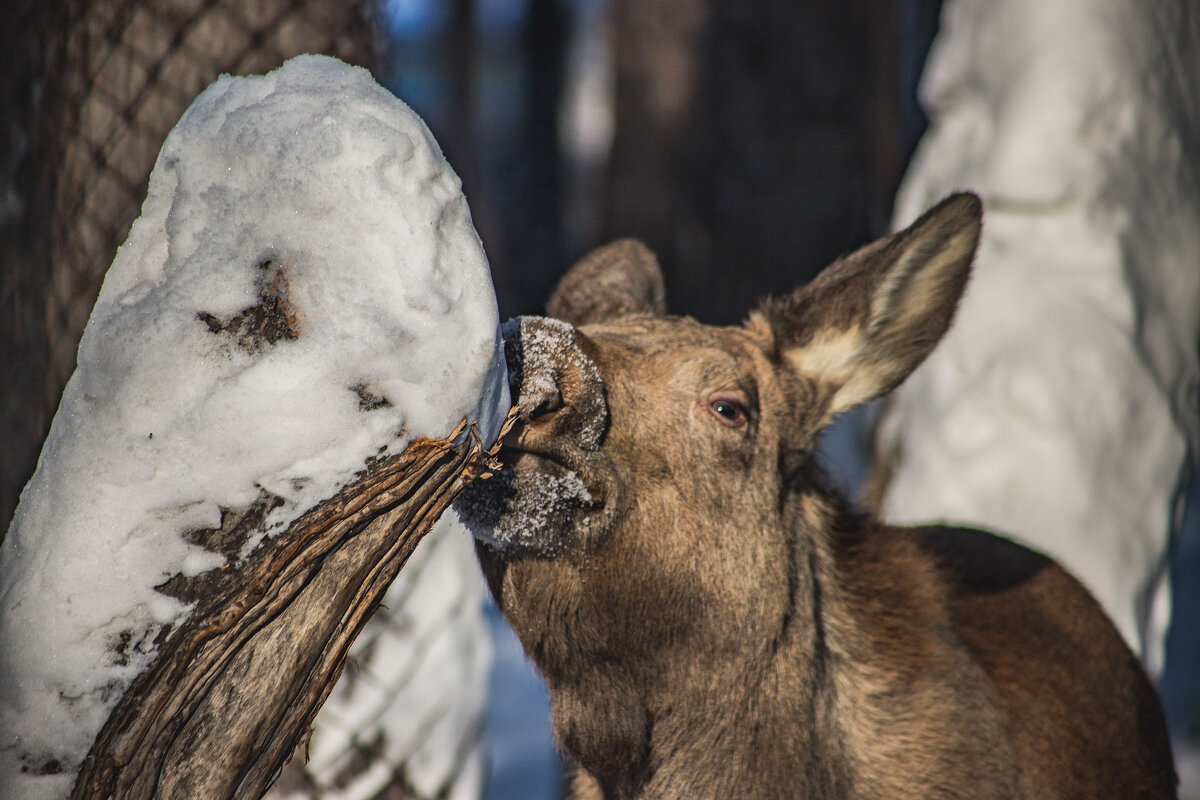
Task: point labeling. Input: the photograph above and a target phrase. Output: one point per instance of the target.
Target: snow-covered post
(293, 367)
(1062, 406)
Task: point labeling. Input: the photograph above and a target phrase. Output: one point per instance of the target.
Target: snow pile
(1063, 403)
(303, 291)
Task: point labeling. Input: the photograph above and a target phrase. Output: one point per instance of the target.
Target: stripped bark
(234, 690)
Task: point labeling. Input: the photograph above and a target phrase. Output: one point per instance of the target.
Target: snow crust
(1062, 405)
(311, 186)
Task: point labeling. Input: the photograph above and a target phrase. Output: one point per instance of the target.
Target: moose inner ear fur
(868, 320)
(616, 280)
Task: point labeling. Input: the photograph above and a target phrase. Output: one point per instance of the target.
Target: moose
(713, 621)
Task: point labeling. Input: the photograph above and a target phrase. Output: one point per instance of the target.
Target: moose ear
(615, 280)
(868, 320)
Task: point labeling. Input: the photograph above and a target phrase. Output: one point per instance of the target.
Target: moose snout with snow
(713, 621)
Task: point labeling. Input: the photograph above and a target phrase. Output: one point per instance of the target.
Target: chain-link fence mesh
(115, 78)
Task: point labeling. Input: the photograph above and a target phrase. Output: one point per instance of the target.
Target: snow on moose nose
(551, 375)
(528, 505)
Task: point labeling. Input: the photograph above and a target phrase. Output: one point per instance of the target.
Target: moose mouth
(533, 504)
(523, 458)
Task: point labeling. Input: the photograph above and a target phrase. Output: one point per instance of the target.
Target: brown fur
(712, 621)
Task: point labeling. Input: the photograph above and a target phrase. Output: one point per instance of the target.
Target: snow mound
(303, 291)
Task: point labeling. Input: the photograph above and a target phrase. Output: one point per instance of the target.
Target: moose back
(713, 621)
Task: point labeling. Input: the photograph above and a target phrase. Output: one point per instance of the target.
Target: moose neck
(859, 687)
(738, 728)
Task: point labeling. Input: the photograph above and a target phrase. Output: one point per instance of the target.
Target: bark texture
(234, 690)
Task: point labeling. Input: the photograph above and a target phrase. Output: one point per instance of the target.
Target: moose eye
(729, 411)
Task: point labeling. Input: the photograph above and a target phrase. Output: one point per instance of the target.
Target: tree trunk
(755, 142)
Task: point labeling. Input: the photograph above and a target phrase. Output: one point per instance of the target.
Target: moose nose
(559, 392)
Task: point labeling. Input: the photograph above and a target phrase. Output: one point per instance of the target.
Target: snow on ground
(314, 193)
(1062, 406)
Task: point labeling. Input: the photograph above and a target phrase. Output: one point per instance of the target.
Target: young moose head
(661, 541)
(632, 422)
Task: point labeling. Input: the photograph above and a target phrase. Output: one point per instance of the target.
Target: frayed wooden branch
(234, 690)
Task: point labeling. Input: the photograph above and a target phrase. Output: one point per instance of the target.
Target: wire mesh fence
(112, 79)
(116, 83)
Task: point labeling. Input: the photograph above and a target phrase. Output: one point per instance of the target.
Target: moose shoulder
(713, 621)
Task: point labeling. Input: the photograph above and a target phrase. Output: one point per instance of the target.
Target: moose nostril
(540, 400)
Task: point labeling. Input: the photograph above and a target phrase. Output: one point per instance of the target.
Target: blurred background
(749, 144)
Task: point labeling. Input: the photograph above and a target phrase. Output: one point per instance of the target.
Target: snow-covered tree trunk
(302, 303)
(105, 82)
(1062, 406)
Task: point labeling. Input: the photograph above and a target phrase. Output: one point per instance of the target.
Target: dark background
(751, 143)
